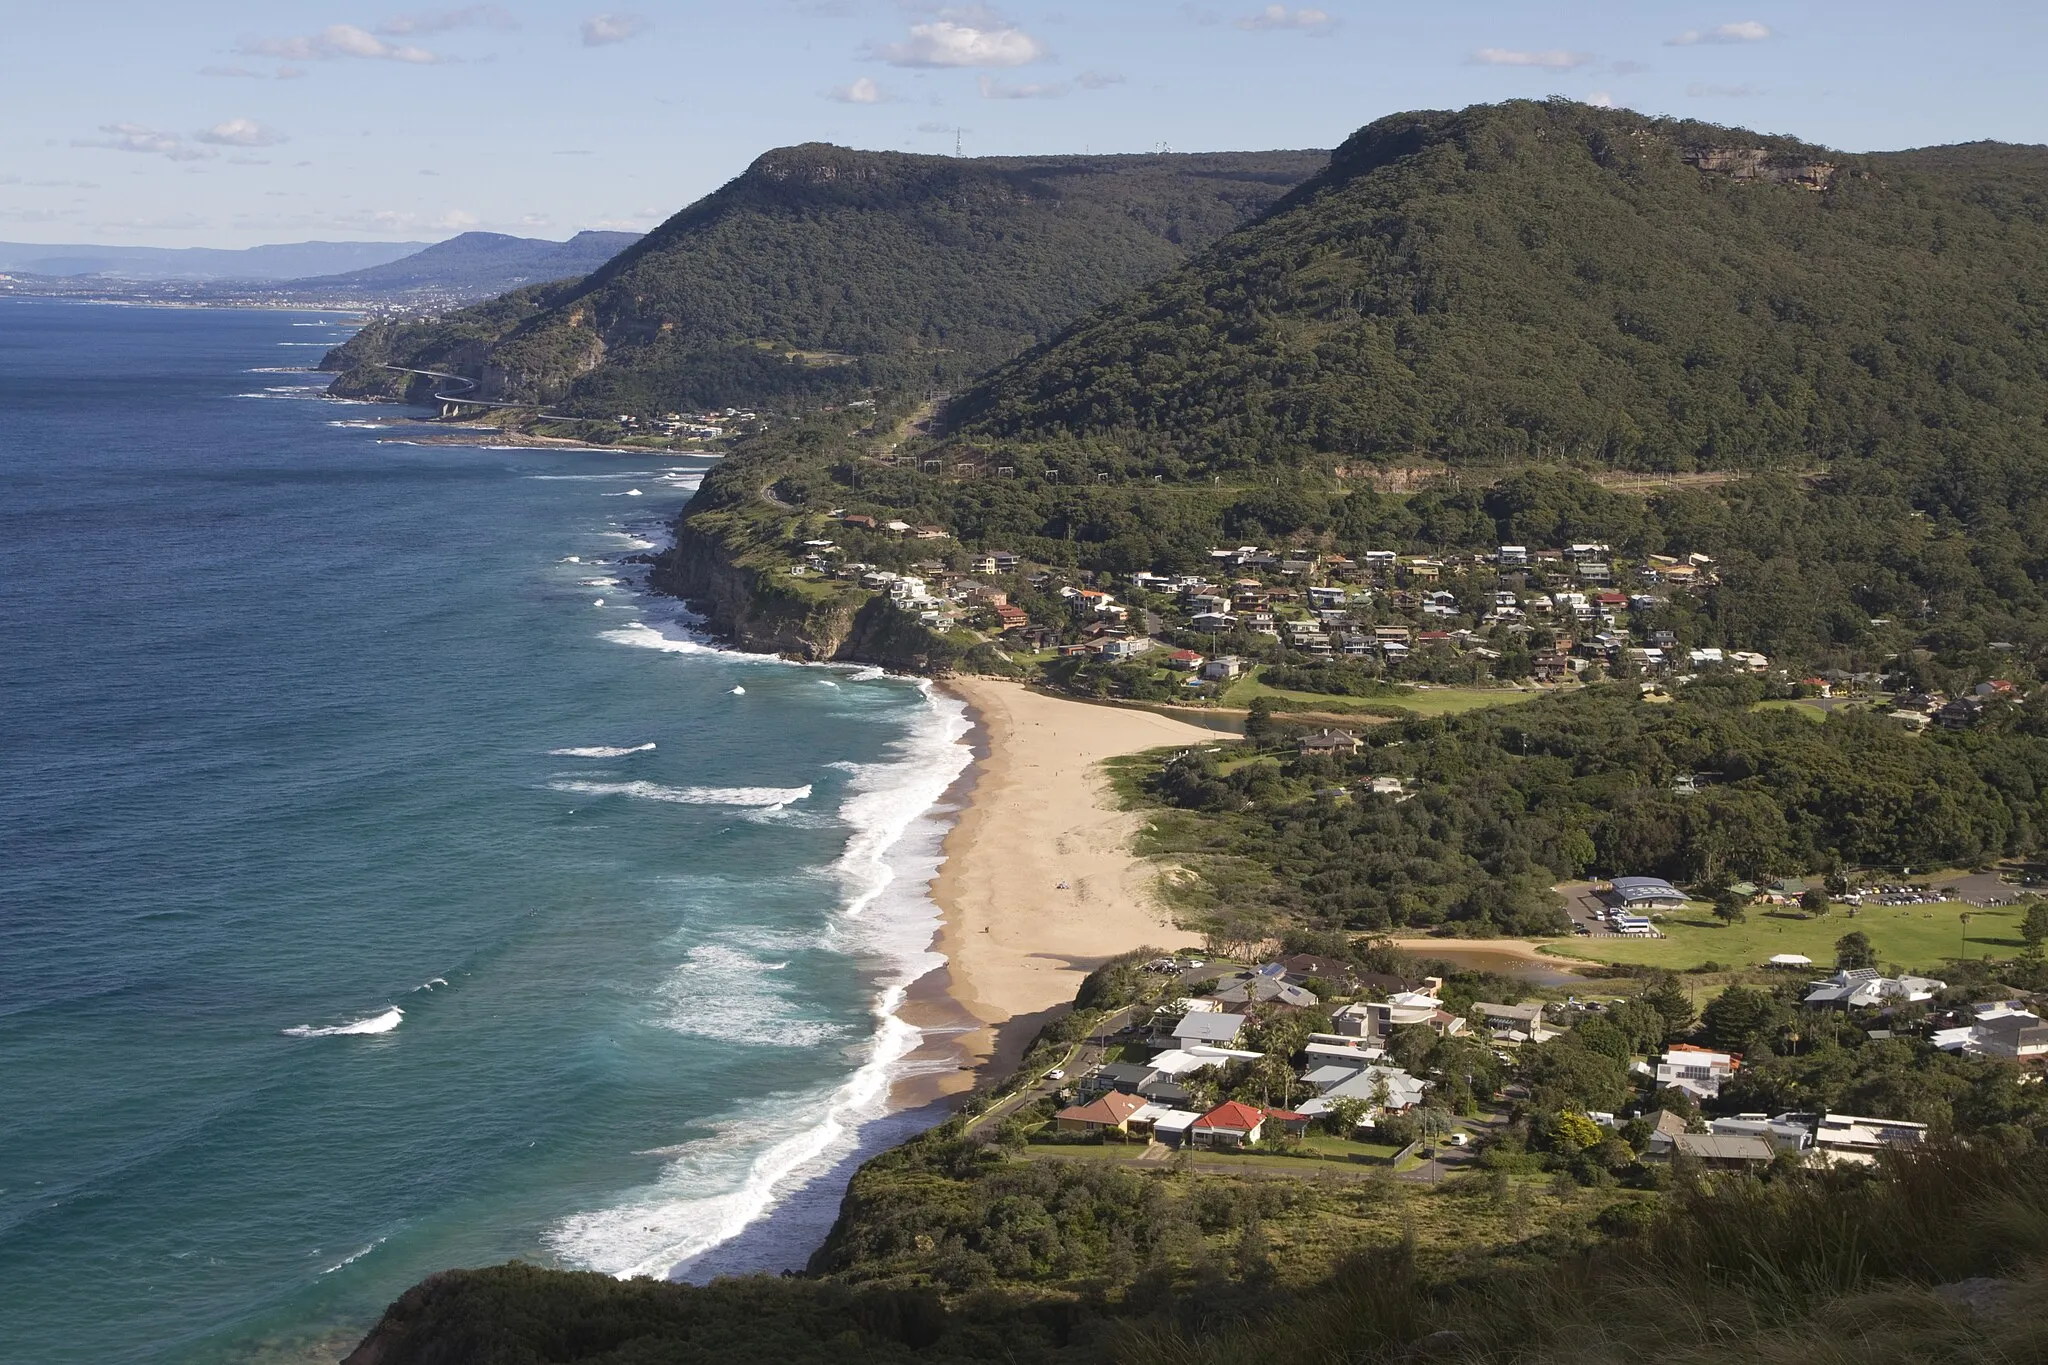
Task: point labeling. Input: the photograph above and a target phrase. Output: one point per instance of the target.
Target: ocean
(388, 882)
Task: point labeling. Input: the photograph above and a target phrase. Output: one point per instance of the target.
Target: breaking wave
(382, 1023)
(602, 751)
(689, 796)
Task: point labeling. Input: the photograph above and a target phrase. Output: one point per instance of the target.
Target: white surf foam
(603, 751)
(721, 992)
(717, 1187)
(689, 796)
(352, 1259)
(382, 1023)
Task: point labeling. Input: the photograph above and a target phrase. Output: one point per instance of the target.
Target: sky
(228, 123)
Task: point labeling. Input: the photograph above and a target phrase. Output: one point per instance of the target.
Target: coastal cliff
(759, 606)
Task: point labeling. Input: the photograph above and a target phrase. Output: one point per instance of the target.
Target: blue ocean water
(372, 899)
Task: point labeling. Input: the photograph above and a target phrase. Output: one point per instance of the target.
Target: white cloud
(135, 137)
(862, 91)
(601, 30)
(993, 89)
(1098, 80)
(336, 40)
(1747, 31)
(1600, 99)
(441, 21)
(947, 41)
(1553, 59)
(232, 71)
(935, 127)
(1700, 90)
(240, 132)
(1281, 17)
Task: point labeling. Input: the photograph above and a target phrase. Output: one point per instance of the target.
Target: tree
(1259, 729)
(1577, 1132)
(1737, 1015)
(2034, 928)
(1346, 1116)
(1669, 999)
(1853, 951)
(1814, 900)
(1730, 908)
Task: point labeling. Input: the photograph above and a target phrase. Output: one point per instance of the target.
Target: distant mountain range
(479, 264)
(284, 261)
(461, 270)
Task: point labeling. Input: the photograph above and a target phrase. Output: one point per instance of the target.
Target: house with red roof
(1229, 1125)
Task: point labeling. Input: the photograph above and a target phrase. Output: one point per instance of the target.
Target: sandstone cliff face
(1758, 163)
(753, 612)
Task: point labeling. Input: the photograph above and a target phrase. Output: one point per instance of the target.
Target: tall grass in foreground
(1939, 1256)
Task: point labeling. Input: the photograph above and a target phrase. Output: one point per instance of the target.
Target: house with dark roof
(1329, 742)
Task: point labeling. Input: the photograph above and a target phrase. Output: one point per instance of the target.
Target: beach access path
(1039, 884)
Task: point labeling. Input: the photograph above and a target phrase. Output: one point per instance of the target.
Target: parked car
(1459, 1139)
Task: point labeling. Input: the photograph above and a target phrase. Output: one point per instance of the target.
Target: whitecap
(431, 982)
(382, 1023)
(688, 796)
(570, 559)
(350, 1260)
(602, 751)
(739, 691)
(598, 603)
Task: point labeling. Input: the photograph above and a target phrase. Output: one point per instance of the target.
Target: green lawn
(1430, 701)
(1917, 937)
(1804, 709)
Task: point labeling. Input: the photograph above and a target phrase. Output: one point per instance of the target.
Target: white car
(1058, 1073)
(1459, 1139)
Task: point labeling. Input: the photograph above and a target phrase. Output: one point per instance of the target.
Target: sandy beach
(1039, 884)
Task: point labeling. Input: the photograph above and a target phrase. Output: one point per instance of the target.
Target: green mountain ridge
(824, 271)
(1555, 282)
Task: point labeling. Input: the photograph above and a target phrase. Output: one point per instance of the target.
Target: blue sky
(222, 123)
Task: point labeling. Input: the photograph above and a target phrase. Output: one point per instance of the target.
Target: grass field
(1806, 710)
(1430, 701)
(1916, 937)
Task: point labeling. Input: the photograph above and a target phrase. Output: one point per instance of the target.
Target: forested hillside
(1497, 806)
(1558, 282)
(827, 271)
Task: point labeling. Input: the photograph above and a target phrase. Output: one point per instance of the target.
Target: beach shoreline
(1037, 884)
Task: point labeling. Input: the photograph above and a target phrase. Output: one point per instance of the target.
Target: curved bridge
(452, 404)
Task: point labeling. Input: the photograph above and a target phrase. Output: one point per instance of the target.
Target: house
(1131, 1078)
(1172, 1126)
(1260, 990)
(1666, 1128)
(1184, 660)
(1377, 1019)
(1402, 1091)
(1646, 893)
(1513, 556)
(1849, 1140)
(1514, 1023)
(1222, 668)
(1012, 618)
(1211, 1027)
(1856, 988)
(1110, 1113)
(1786, 1132)
(860, 519)
(1699, 1071)
(1214, 622)
(1329, 742)
(1228, 1126)
(2001, 1029)
(1725, 1153)
(1125, 649)
(1304, 967)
